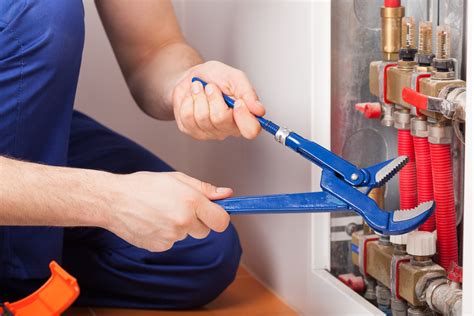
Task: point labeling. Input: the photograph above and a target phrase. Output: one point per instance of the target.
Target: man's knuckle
(202, 117)
(181, 223)
(221, 118)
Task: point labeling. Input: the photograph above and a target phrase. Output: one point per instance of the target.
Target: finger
(221, 115)
(199, 230)
(187, 119)
(212, 215)
(210, 191)
(201, 109)
(245, 91)
(246, 122)
(157, 246)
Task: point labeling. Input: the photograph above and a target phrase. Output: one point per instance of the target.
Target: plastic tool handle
(306, 148)
(267, 125)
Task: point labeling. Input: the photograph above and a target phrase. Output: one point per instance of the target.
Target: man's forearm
(152, 82)
(38, 195)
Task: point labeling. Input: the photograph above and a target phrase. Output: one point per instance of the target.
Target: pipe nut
(387, 117)
(443, 75)
(383, 295)
(419, 127)
(423, 283)
(402, 119)
(438, 134)
(444, 299)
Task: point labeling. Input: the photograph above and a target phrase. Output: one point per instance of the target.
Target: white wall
(276, 44)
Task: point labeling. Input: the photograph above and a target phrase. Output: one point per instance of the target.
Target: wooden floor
(246, 296)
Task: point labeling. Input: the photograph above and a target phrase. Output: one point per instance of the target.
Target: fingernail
(223, 190)
(209, 89)
(259, 103)
(238, 103)
(196, 87)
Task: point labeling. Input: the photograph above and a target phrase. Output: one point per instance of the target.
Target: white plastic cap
(399, 239)
(421, 243)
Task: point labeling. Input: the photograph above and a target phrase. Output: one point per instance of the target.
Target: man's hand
(203, 114)
(158, 66)
(154, 210)
(149, 210)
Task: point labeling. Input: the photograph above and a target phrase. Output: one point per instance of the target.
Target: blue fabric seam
(7, 248)
(4, 24)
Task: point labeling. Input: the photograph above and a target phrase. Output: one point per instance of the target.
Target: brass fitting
(378, 266)
(391, 31)
(440, 134)
(402, 119)
(419, 127)
(398, 78)
(432, 86)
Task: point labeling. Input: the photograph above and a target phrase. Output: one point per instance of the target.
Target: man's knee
(224, 258)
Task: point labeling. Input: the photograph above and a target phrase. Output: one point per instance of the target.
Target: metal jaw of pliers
(344, 187)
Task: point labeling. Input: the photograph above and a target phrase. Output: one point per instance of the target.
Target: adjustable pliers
(344, 187)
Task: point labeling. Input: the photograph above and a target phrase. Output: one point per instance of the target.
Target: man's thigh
(112, 272)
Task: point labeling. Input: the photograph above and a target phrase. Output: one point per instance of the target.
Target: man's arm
(39, 195)
(149, 210)
(150, 48)
(158, 66)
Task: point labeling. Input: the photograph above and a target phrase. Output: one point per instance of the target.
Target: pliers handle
(308, 149)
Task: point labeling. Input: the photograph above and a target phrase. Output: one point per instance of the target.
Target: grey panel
(355, 43)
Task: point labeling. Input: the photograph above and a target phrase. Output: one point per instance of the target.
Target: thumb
(210, 191)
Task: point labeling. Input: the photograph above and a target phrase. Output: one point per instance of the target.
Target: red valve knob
(356, 283)
(455, 273)
(370, 110)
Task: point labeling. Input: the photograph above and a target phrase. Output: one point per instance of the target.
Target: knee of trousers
(226, 247)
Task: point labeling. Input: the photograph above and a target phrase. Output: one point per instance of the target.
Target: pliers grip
(309, 202)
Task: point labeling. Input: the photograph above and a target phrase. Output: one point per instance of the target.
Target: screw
(408, 32)
(425, 35)
(443, 50)
(354, 177)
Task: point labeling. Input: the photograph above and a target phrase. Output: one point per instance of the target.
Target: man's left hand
(202, 113)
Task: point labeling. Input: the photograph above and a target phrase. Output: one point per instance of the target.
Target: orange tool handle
(53, 298)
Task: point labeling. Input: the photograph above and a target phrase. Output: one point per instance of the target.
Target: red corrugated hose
(408, 194)
(445, 208)
(424, 178)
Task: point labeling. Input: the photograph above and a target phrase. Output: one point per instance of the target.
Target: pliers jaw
(381, 221)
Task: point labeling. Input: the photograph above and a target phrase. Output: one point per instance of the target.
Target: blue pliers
(344, 187)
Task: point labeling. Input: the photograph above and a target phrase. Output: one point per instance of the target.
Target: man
(138, 254)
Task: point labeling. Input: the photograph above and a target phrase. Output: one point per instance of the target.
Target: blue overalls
(41, 45)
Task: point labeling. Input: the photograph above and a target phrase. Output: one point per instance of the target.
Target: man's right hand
(154, 210)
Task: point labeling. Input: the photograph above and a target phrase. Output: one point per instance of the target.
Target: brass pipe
(391, 32)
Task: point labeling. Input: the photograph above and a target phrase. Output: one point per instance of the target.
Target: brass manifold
(402, 75)
(377, 261)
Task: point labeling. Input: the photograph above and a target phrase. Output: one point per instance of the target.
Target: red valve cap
(392, 3)
(370, 110)
(356, 283)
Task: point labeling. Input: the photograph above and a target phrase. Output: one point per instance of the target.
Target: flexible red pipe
(424, 178)
(445, 208)
(408, 196)
(392, 3)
